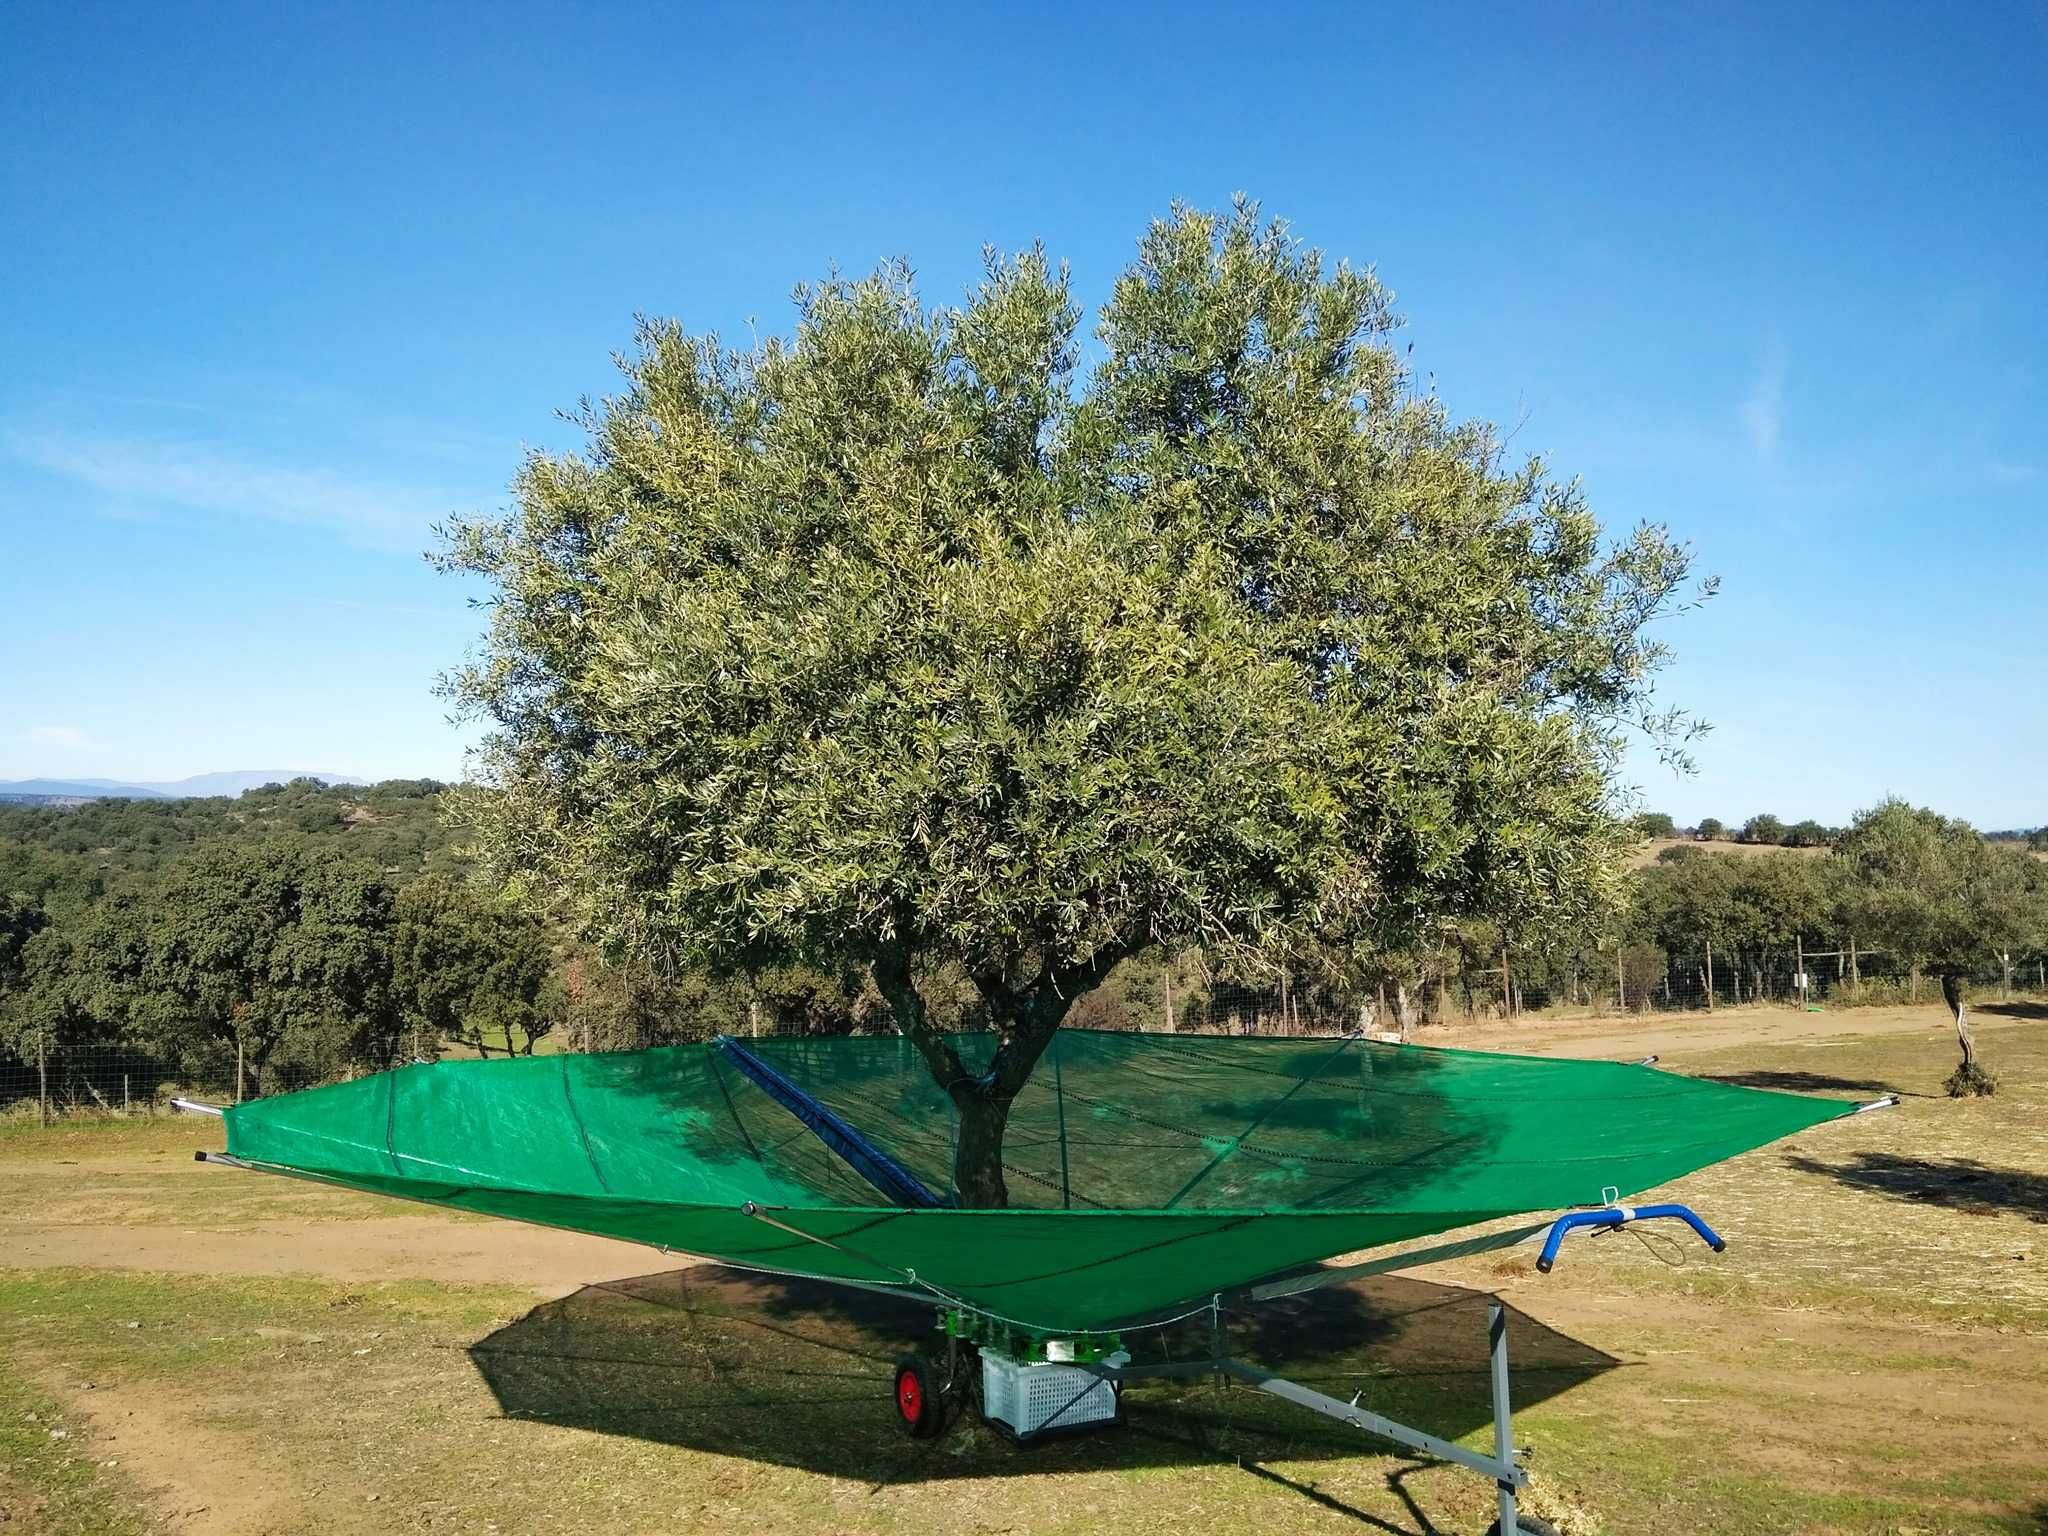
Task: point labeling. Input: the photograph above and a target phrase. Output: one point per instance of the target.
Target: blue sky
(281, 286)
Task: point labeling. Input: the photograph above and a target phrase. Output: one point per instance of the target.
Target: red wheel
(917, 1404)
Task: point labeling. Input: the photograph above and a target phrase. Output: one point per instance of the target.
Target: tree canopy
(472, 969)
(1940, 897)
(896, 642)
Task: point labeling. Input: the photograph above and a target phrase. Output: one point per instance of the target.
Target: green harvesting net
(1143, 1170)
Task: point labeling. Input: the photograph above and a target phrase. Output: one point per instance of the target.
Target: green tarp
(1144, 1170)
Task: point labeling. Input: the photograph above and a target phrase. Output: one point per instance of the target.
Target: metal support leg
(1503, 1432)
(1508, 1478)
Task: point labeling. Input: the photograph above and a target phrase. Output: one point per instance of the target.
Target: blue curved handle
(1616, 1216)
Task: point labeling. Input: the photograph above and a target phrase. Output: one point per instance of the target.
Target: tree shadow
(797, 1373)
(2014, 1010)
(1961, 1184)
(1809, 1082)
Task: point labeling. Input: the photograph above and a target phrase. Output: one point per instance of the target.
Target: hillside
(69, 857)
(73, 789)
(234, 781)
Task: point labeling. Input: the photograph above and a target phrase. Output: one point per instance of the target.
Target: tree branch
(1044, 1007)
(891, 970)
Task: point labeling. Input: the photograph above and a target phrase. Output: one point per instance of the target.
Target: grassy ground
(1870, 1355)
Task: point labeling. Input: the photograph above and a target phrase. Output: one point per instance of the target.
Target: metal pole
(1059, 1093)
(1620, 982)
(1503, 1433)
(43, 1078)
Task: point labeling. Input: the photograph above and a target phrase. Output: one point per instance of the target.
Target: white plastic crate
(1039, 1395)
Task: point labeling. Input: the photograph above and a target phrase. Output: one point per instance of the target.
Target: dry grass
(1870, 1355)
(1656, 846)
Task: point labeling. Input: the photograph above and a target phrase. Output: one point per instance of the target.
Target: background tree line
(304, 932)
(301, 933)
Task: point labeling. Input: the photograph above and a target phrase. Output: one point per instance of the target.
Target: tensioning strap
(897, 1183)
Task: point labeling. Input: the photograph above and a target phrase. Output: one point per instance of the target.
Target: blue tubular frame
(1618, 1216)
(896, 1182)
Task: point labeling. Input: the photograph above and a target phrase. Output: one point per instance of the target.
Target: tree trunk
(978, 1155)
(1025, 1019)
(1952, 994)
(1969, 1078)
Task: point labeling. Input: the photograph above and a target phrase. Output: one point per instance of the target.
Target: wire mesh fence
(48, 1075)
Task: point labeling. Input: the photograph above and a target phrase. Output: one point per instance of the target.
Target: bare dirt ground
(1632, 1036)
(226, 1353)
(1652, 850)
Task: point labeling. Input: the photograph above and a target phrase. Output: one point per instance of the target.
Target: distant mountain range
(233, 782)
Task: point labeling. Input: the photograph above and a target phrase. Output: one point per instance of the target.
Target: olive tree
(1942, 899)
(900, 642)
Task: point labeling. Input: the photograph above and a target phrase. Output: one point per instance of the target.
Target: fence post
(1507, 996)
(43, 1077)
(1799, 966)
(1620, 982)
(126, 1107)
(1710, 975)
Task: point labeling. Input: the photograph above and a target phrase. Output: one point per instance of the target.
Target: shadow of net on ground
(1810, 1082)
(797, 1373)
(1961, 1183)
(2012, 1010)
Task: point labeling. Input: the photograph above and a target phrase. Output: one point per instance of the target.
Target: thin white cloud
(137, 473)
(65, 738)
(2005, 472)
(1763, 409)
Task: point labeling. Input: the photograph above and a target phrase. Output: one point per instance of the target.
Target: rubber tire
(1527, 1525)
(916, 1398)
